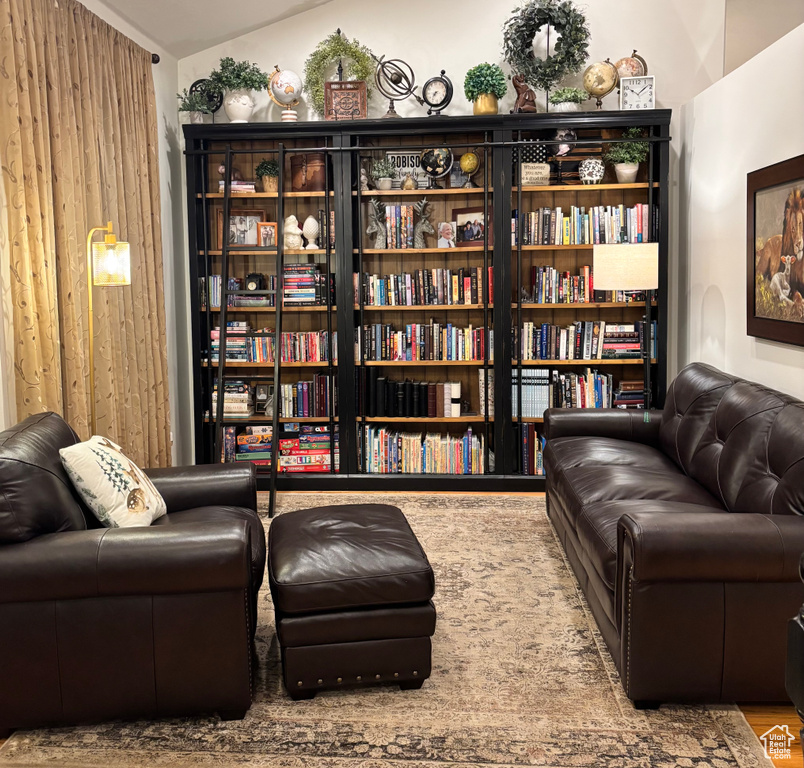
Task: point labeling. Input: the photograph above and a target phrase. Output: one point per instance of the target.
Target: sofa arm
(206, 485)
(162, 560)
(709, 546)
(616, 423)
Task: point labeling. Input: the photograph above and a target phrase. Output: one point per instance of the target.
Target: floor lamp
(108, 264)
(630, 267)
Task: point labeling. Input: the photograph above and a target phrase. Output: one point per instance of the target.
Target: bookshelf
(498, 265)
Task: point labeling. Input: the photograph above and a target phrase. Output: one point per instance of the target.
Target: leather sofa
(684, 532)
(105, 623)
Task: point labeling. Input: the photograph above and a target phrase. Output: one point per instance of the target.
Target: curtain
(79, 147)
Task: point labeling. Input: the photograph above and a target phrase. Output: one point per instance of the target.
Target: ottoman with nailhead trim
(352, 593)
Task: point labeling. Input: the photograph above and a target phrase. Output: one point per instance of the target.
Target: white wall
(752, 118)
(752, 26)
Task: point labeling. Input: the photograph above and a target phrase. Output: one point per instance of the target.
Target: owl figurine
(292, 234)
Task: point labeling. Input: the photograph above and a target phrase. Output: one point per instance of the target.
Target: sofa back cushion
(36, 496)
(691, 402)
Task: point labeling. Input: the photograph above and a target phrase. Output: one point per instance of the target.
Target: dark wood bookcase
(348, 146)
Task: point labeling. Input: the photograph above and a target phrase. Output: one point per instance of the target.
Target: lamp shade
(111, 262)
(626, 267)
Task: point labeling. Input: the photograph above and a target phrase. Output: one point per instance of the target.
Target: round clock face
(251, 285)
(435, 92)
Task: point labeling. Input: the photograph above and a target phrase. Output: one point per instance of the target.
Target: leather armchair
(99, 623)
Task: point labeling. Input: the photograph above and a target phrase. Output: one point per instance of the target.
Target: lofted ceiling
(184, 27)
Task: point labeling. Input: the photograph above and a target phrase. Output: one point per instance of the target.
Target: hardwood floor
(762, 717)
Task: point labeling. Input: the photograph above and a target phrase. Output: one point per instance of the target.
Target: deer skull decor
(423, 226)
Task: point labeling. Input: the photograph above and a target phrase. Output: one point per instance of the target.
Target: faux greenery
(232, 75)
(358, 64)
(383, 169)
(564, 95)
(570, 47)
(484, 78)
(193, 102)
(628, 151)
(267, 168)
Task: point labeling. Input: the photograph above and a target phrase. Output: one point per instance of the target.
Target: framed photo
(457, 178)
(446, 234)
(345, 100)
(470, 227)
(266, 234)
(243, 226)
(775, 249)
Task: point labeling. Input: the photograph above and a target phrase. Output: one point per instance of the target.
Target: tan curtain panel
(78, 135)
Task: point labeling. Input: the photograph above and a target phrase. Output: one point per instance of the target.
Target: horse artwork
(776, 252)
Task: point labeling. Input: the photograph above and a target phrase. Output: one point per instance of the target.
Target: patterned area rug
(521, 677)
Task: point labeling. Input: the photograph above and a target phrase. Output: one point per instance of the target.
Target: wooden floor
(760, 717)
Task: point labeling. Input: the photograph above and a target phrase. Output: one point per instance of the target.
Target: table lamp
(630, 267)
(108, 264)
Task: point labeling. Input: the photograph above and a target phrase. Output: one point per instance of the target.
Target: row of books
(377, 395)
(630, 394)
(303, 285)
(435, 341)
(238, 399)
(295, 346)
(531, 452)
(583, 226)
(304, 399)
(582, 340)
(386, 451)
(425, 286)
(550, 286)
(398, 226)
(542, 389)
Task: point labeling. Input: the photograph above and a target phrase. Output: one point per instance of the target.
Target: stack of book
(384, 397)
(305, 285)
(424, 286)
(549, 286)
(435, 341)
(238, 400)
(237, 187)
(237, 345)
(309, 450)
(624, 340)
(306, 399)
(389, 452)
(630, 394)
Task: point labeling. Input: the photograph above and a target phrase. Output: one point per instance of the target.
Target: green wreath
(358, 64)
(570, 48)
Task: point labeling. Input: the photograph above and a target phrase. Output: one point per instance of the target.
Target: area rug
(521, 677)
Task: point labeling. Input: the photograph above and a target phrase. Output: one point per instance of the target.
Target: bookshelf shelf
(587, 305)
(586, 187)
(239, 195)
(423, 192)
(265, 420)
(422, 363)
(422, 307)
(465, 419)
(316, 308)
(403, 251)
(529, 420)
(265, 252)
(557, 247)
(246, 364)
(583, 363)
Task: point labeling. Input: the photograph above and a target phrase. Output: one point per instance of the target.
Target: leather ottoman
(352, 593)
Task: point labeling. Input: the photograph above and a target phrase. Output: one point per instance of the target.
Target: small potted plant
(383, 171)
(567, 99)
(236, 80)
(627, 155)
(196, 104)
(268, 173)
(484, 86)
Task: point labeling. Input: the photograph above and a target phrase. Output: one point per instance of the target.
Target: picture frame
(446, 233)
(471, 226)
(774, 244)
(267, 234)
(345, 100)
(243, 229)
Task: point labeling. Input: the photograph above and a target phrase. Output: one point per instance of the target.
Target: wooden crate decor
(345, 100)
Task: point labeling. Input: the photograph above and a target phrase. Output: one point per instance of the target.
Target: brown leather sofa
(99, 623)
(685, 534)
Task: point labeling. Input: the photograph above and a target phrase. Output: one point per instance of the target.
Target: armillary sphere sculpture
(396, 81)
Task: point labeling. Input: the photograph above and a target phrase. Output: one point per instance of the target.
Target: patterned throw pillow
(116, 490)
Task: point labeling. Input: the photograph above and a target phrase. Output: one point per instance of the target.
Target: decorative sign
(345, 100)
(535, 174)
(408, 163)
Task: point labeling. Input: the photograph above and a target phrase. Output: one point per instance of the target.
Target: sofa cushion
(37, 496)
(566, 452)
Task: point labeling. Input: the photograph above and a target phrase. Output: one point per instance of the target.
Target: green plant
(232, 75)
(267, 168)
(573, 95)
(193, 102)
(484, 78)
(383, 169)
(628, 151)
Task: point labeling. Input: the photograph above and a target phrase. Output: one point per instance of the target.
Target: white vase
(196, 118)
(565, 106)
(239, 105)
(384, 184)
(626, 172)
(310, 231)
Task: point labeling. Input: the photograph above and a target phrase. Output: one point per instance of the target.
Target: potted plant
(568, 99)
(236, 80)
(627, 155)
(268, 173)
(484, 86)
(196, 104)
(383, 171)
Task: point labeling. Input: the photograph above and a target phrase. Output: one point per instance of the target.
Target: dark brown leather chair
(106, 623)
(685, 534)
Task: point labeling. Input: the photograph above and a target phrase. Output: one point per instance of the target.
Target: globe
(285, 88)
(600, 79)
(436, 162)
(470, 162)
(629, 67)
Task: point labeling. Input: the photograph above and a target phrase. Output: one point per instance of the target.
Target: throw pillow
(117, 491)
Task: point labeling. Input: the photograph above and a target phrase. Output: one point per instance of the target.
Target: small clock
(255, 282)
(637, 93)
(437, 93)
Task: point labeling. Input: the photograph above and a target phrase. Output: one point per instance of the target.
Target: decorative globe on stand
(600, 80)
(470, 165)
(436, 163)
(632, 66)
(284, 88)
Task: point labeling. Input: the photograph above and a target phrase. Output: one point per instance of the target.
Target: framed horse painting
(775, 251)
